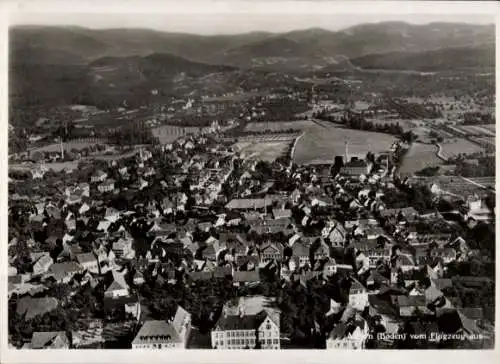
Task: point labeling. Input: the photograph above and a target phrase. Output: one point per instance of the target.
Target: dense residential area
(160, 203)
(189, 245)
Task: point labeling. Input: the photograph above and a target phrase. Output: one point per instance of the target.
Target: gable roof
(156, 331)
(49, 339)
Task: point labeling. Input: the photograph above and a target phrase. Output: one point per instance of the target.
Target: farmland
(69, 145)
(263, 150)
(478, 130)
(454, 147)
(324, 141)
(418, 157)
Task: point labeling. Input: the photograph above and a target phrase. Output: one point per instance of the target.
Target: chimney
(242, 311)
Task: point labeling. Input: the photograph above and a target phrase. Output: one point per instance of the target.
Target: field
(454, 147)
(68, 146)
(325, 141)
(279, 125)
(406, 124)
(459, 186)
(487, 130)
(56, 166)
(418, 157)
(266, 151)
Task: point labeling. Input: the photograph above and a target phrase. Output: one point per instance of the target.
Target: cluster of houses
(294, 233)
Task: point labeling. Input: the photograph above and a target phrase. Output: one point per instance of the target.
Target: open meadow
(324, 141)
(278, 125)
(454, 147)
(266, 150)
(418, 157)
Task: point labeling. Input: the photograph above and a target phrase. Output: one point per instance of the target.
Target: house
(117, 288)
(123, 248)
(337, 235)
(64, 272)
(350, 335)
(301, 251)
(409, 306)
(88, 261)
(358, 295)
(156, 334)
(42, 264)
(138, 278)
(107, 186)
(246, 331)
(182, 324)
(271, 251)
(49, 340)
(321, 250)
(354, 169)
(98, 176)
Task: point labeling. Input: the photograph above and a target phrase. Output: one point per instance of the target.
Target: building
(270, 252)
(98, 176)
(245, 331)
(88, 261)
(156, 334)
(182, 324)
(350, 335)
(354, 169)
(358, 295)
(123, 248)
(117, 288)
(49, 340)
(107, 186)
(42, 264)
(251, 323)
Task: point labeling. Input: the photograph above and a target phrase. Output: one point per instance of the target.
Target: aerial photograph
(205, 182)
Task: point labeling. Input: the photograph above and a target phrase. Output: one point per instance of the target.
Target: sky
(209, 20)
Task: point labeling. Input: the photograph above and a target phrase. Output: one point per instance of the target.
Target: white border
(228, 7)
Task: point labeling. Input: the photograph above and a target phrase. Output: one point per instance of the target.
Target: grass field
(454, 147)
(266, 151)
(478, 130)
(419, 157)
(56, 147)
(324, 141)
(279, 125)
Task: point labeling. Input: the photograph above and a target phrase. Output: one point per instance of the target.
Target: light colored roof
(49, 339)
(156, 331)
(249, 203)
(85, 258)
(32, 307)
(60, 270)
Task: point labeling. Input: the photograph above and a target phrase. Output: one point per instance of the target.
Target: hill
(453, 58)
(106, 81)
(295, 49)
(320, 47)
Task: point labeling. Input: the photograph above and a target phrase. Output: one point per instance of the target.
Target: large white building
(156, 334)
(248, 325)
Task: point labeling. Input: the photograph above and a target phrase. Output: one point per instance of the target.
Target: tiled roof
(156, 331)
(49, 339)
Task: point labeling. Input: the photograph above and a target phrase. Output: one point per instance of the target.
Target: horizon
(265, 24)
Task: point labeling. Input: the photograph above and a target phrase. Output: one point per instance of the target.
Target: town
(302, 217)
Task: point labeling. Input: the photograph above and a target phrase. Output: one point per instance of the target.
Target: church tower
(346, 156)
